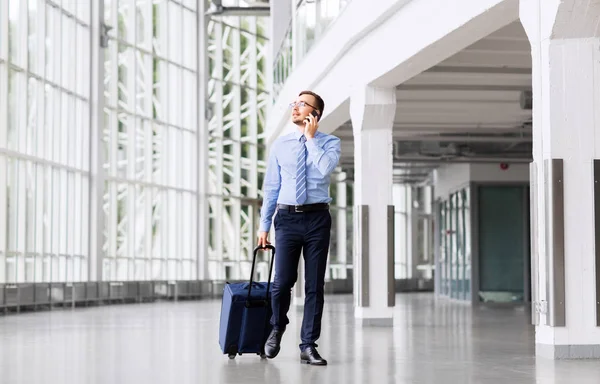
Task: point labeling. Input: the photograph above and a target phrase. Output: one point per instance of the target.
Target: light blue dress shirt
(323, 155)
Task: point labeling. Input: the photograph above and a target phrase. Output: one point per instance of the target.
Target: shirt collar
(297, 134)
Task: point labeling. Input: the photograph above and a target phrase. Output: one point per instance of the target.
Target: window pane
(189, 39)
(175, 32)
(14, 31)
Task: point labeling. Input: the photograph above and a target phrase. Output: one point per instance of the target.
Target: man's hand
(262, 239)
(311, 125)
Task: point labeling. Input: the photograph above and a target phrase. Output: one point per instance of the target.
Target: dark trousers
(306, 232)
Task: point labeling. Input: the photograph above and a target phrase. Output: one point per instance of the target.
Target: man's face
(299, 111)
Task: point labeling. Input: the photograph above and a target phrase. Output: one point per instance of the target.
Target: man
(297, 184)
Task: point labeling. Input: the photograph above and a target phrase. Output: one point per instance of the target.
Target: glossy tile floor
(433, 341)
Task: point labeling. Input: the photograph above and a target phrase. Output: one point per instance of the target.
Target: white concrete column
(414, 232)
(401, 234)
(372, 112)
(566, 126)
(341, 217)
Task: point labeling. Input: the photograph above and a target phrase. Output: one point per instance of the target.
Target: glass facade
(454, 231)
(413, 231)
(341, 242)
(100, 158)
(150, 139)
(44, 162)
(312, 18)
(238, 95)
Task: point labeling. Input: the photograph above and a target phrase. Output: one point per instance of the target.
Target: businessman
(296, 190)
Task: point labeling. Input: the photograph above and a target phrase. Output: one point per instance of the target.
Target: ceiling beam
(458, 159)
(484, 70)
(421, 134)
(463, 87)
(469, 139)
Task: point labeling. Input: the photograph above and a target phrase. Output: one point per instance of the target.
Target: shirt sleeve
(324, 152)
(271, 187)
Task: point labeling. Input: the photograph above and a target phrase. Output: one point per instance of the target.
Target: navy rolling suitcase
(245, 314)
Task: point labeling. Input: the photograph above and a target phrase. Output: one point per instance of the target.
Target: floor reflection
(432, 341)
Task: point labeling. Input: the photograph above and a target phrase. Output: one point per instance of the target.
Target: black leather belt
(303, 208)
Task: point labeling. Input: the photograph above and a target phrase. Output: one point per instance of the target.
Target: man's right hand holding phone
(310, 126)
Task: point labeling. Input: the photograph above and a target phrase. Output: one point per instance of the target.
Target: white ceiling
(476, 91)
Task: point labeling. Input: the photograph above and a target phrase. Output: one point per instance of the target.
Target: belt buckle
(298, 209)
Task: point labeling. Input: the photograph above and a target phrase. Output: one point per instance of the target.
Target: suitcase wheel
(232, 356)
(262, 356)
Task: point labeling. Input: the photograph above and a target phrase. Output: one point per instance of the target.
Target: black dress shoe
(312, 357)
(272, 345)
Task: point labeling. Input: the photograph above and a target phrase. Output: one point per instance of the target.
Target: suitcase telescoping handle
(272, 248)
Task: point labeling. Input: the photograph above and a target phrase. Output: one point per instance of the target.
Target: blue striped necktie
(301, 172)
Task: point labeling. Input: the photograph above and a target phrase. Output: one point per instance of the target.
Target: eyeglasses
(301, 104)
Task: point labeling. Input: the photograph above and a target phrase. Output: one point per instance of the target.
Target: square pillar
(564, 188)
(372, 112)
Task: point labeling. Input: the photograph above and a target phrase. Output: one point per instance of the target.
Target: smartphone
(315, 114)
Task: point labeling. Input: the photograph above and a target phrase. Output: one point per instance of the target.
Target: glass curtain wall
(150, 139)
(454, 231)
(44, 162)
(413, 231)
(312, 18)
(238, 96)
(146, 219)
(341, 242)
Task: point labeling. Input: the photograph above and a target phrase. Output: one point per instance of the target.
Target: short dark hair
(320, 103)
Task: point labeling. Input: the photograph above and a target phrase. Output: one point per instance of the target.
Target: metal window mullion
(131, 144)
(57, 196)
(21, 133)
(69, 150)
(253, 130)
(164, 196)
(3, 136)
(165, 155)
(36, 225)
(219, 203)
(112, 227)
(202, 243)
(149, 192)
(41, 138)
(20, 188)
(342, 205)
(96, 224)
(180, 150)
(236, 148)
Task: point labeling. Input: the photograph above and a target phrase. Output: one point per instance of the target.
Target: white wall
(451, 178)
(494, 173)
